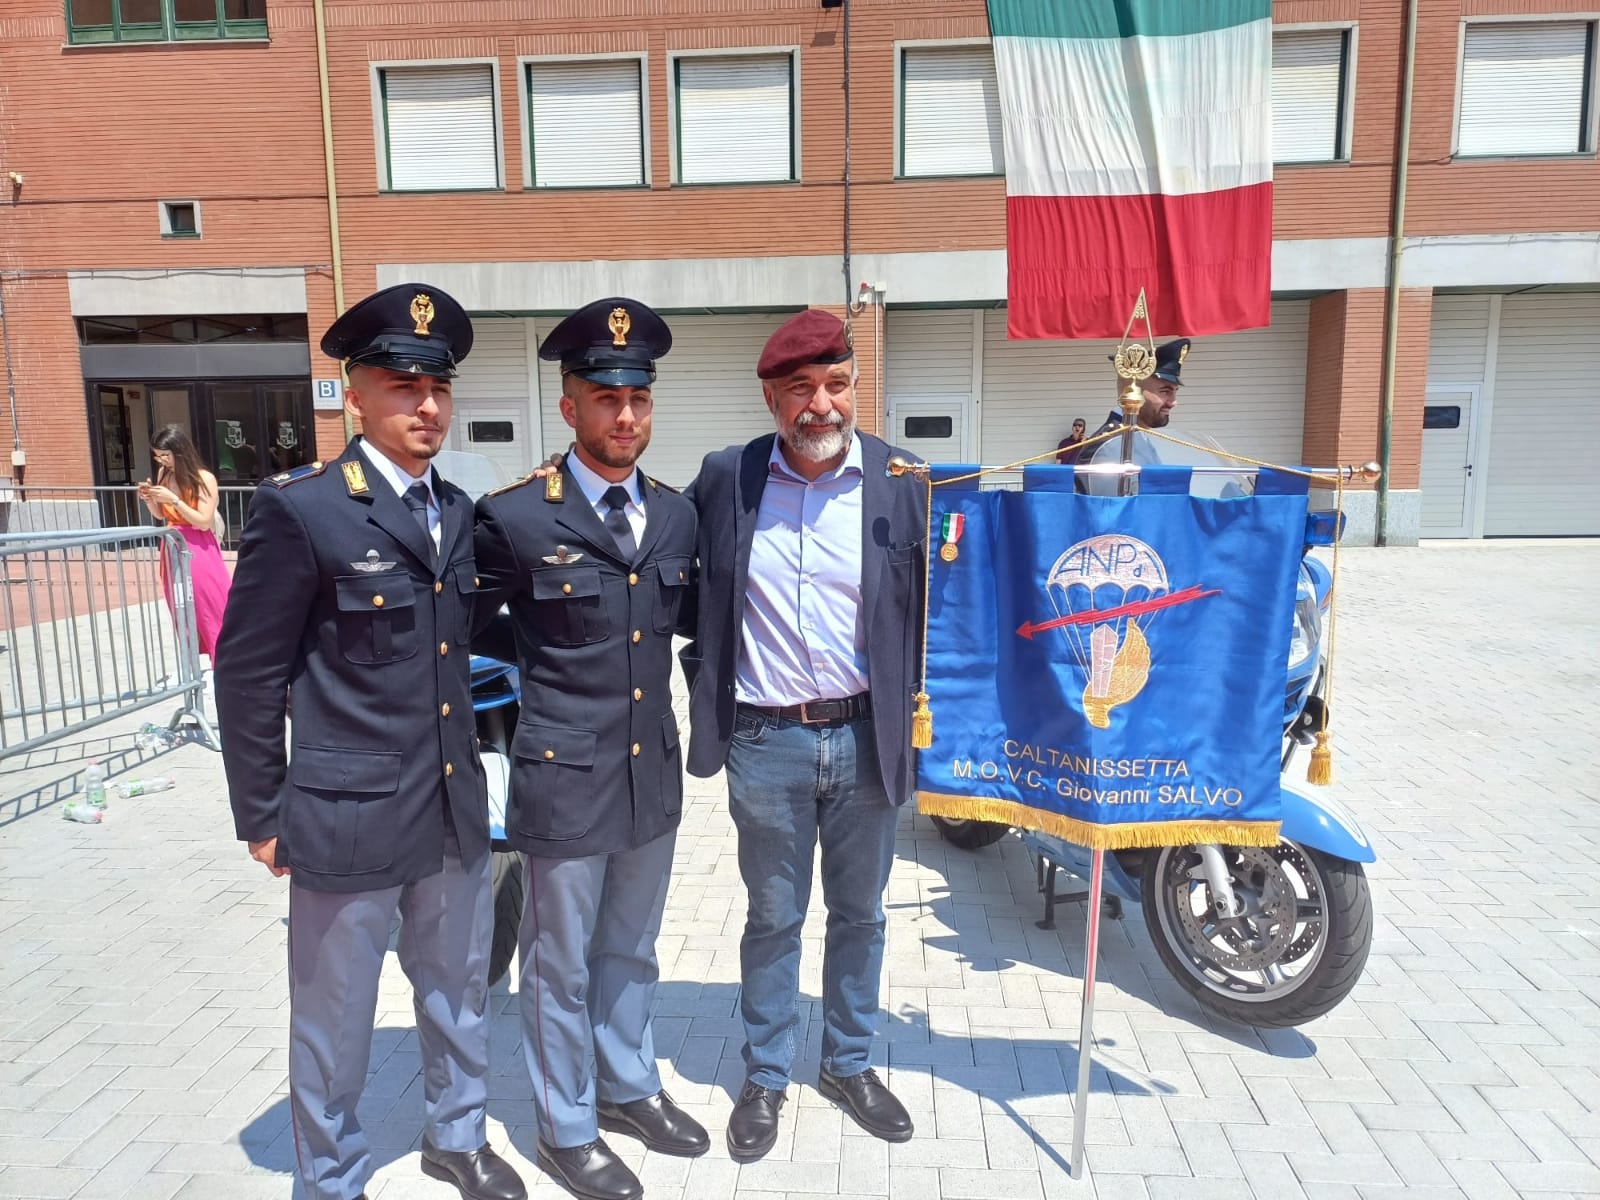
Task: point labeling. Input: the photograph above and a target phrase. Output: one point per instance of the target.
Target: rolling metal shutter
(1246, 390)
(491, 393)
(950, 122)
(440, 126)
(735, 119)
(1307, 70)
(1539, 484)
(706, 393)
(1523, 88)
(587, 123)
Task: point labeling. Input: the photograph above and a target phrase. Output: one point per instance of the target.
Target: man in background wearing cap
(1160, 396)
(354, 596)
(596, 561)
(805, 658)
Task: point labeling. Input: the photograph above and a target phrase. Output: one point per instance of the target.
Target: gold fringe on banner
(1144, 835)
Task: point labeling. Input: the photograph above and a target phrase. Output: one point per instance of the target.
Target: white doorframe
(1471, 504)
(1483, 417)
(535, 403)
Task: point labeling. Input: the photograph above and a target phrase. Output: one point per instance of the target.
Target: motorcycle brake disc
(1312, 933)
(1263, 934)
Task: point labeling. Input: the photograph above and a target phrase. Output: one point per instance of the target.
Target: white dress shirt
(594, 490)
(402, 482)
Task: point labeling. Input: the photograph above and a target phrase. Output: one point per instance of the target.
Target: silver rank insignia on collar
(372, 565)
(562, 557)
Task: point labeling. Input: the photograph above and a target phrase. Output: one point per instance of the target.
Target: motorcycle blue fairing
(1323, 823)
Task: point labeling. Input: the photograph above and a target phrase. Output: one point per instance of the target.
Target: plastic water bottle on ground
(94, 785)
(82, 812)
(153, 737)
(143, 787)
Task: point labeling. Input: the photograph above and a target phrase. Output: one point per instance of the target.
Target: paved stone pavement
(143, 1007)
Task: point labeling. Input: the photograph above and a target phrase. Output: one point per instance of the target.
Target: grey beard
(818, 443)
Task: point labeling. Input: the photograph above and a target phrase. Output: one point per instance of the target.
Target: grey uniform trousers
(337, 942)
(588, 952)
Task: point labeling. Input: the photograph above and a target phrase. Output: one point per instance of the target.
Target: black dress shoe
(658, 1123)
(591, 1171)
(871, 1105)
(753, 1124)
(479, 1174)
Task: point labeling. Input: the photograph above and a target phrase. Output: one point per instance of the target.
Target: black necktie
(416, 498)
(617, 521)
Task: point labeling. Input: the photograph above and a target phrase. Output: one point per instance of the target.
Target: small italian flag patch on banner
(1138, 142)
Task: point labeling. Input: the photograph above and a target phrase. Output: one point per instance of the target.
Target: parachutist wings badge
(372, 564)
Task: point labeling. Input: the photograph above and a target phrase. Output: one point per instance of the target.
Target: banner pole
(1091, 941)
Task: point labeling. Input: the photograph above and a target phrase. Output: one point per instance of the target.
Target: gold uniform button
(680, 576)
(444, 711)
(437, 587)
(449, 770)
(636, 749)
(632, 579)
(377, 602)
(566, 588)
(638, 693)
(444, 647)
(549, 753)
(475, 581)
(636, 636)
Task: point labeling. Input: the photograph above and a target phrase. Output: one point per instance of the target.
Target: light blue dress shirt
(804, 634)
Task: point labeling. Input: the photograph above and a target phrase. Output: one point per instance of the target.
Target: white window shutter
(587, 123)
(441, 127)
(735, 119)
(1522, 88)
(951, 122)
(1306, 68)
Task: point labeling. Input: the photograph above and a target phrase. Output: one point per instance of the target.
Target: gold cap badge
(1183, 353)
(620, 323)
(422, 312)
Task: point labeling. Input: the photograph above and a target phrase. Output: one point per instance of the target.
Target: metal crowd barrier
(88, 636)
(39, 510)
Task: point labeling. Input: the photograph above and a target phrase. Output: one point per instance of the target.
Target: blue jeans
(789, 787)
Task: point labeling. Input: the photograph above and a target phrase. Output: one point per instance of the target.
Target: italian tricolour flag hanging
(1138, 141)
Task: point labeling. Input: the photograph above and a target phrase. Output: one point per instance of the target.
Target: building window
(164, 20)
(735, 119)
(1526, 88)
(192, 331)
(180, 218)
(440, 129)
(1310, 95)
(949, 112)
(586, 123)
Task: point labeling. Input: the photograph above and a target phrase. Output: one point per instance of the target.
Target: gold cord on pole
(922, 715)
(1320, 770)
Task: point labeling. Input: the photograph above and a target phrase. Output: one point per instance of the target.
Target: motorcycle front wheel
(1294, 951)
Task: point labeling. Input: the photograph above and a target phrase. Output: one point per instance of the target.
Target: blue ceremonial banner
(1110, 670)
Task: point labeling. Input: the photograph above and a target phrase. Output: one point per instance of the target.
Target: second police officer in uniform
(354, 599)
(1159, 396)
(596, 563)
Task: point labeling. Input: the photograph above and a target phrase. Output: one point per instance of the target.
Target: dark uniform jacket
(340, 608)
(596, 767)
(894, 573)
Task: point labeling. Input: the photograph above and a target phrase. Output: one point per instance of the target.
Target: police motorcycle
(496, 701)
(1267, 937)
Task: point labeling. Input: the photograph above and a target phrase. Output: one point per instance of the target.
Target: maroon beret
(812, 336)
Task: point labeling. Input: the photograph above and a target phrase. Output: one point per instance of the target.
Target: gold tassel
(1320, 771)
(921, 723)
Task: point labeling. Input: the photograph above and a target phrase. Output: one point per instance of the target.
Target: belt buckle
(805, 713)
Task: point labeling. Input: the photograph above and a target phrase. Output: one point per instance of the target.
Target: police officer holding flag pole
(596, 563)
(353, 599)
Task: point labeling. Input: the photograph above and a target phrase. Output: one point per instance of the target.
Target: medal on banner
(951, 528)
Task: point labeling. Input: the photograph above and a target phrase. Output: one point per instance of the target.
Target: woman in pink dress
(185, 496)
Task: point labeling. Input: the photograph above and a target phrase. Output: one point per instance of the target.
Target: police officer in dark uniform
(353, 602)
(596, 561)
(1160, 396)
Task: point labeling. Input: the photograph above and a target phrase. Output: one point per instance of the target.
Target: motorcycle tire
(507, 888)
(1338, 941)
(970, 835)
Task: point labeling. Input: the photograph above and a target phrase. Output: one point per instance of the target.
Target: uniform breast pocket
(377, 617)
(466, 587)
(673, 574)
(569, 605)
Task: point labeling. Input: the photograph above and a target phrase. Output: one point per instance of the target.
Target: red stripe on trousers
(1076, 263)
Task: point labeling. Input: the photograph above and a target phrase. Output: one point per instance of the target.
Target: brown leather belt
(821, 712)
